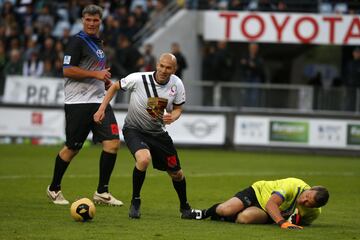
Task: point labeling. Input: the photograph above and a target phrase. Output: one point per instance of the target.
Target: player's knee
(67, 153)
(177, 176)
(224, 210)
(111, 146)
(143, 160)
(244, 218)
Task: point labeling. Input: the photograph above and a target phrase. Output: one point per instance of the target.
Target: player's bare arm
(78, 73)
(272, 208)
(100, 113)
(169, 118)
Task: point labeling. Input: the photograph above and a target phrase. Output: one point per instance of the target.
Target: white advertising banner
(297, 132)
(251, 130)
(33, 90)
(298, 28)
(327, 133)
(28, 122)
(198, 129)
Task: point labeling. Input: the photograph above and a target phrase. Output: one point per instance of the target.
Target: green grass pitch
(212, 176)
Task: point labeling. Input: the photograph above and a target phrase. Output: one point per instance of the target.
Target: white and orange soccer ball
(82, 210)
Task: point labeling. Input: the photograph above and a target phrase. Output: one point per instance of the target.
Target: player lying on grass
(288, 202)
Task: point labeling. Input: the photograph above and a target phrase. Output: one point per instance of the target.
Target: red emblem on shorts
(114, 129)
(171, 161)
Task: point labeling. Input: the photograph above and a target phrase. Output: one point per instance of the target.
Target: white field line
(197, 175)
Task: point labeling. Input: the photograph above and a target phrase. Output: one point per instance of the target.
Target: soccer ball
(82, 210)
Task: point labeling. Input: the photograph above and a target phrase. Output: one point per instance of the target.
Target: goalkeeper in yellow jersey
(289, 202)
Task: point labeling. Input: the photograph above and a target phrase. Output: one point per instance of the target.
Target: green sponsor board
(289, 131)
(353, 134)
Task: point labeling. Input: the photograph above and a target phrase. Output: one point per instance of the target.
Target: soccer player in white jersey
(156, 100)
(86, 78)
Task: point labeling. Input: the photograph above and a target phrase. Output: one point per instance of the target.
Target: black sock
(211, 212)
(180, 188)
(138, 180)
(107, 163)
(59, 170)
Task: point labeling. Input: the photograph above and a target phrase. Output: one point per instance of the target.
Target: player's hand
(99, 116)
(104, 75)
(288, 225)
(167, 118)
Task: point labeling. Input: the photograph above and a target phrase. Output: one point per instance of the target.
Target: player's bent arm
(100, 114)
(272, 208)
(78, 73)
(174, 115)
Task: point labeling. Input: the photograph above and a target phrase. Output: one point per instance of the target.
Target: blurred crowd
(33, 35)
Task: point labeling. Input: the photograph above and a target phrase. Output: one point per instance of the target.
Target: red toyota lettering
(332, 21)
(279, 27)
(256, 35)
(228, 17)
(355, 24)
(315, 29)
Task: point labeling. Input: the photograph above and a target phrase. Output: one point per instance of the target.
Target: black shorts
(163, 153)
(79, 122)
(248, 197)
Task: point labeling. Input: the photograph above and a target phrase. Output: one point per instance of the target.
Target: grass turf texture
(212, 176)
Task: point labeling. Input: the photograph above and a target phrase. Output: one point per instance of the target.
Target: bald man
(156, 100)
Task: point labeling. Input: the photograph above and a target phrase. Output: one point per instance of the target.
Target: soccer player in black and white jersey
(156, 100)
(86, 78)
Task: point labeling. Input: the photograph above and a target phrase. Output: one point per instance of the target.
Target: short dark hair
(321, 196)
(92, 9)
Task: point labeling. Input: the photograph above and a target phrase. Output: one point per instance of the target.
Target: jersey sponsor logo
(67, 59)
(114, 129)
(100, 53)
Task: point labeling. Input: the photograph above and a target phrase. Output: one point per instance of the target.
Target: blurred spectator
(48, 69)
(47, 51)
(149, 59)
(59, 50)
(180, 58)
(223, 62)
(353, 70)
(208, 64)
(140, 15)
(281, 6)
(30, 46)
(45, 17)
(131, 28)
(33, 66)
(253, 71)
(236, 5)
(352, 80)
(127, 58)
(14, 66)
(2, 67)
(58, 68)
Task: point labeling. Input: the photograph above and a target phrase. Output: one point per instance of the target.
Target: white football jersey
(143, 86)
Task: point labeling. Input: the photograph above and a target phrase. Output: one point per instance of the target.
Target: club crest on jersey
(173, 90)
(100, 53)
